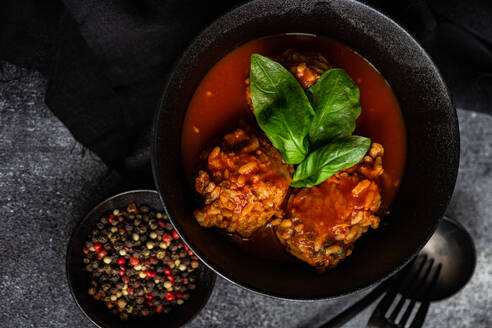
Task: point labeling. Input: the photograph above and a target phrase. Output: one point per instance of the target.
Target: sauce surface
(219, 102)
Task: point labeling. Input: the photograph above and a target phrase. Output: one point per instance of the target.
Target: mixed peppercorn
(137, 263)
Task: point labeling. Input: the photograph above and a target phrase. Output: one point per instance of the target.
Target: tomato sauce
(219, 101)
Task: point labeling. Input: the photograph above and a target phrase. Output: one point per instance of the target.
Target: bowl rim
(68, 257)
(243, 284)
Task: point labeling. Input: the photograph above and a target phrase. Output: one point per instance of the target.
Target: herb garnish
(282, 109)
(335, 99)
(313, 131)
(327, 160)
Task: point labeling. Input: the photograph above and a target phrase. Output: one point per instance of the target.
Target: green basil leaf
(321, 164)
(281, 108)
(335, 99)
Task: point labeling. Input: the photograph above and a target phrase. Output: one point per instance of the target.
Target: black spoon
(452, 246)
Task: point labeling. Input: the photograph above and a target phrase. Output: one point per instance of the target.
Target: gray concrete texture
(48, 181)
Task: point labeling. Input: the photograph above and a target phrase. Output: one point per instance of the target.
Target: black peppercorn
(132, 268)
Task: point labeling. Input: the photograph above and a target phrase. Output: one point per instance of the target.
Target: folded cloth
(106, 61)
(111, 67)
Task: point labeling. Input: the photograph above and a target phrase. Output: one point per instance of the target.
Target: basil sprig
(327, 160)
(313, 131)
(281, 108)
(335, 99)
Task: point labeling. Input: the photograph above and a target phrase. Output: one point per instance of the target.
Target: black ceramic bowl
(432, 145)
(78, 279)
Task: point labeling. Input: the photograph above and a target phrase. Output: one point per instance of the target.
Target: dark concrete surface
(48, 181)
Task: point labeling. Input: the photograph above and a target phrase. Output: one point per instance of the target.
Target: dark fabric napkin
(106, 61)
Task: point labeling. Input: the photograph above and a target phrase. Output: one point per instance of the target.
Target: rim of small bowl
(68, 257)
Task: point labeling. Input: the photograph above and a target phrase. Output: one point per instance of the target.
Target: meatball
(323, 222)
(244, 183)
(307, 67)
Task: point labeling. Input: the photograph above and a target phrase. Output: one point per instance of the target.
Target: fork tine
(409, 286)
(419, 319)
(387, 300)
(415, 293)
(381, 308)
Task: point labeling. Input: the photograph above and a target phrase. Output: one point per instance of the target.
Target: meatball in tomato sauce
(244, 183)
(323, 222)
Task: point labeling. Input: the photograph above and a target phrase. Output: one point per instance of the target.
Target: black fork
(415, 283)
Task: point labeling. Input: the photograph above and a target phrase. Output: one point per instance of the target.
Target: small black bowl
(78, 279)
(432, 145)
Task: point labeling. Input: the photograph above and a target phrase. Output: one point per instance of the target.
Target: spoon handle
(343, 317)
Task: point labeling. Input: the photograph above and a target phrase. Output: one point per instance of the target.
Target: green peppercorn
(121, 303)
